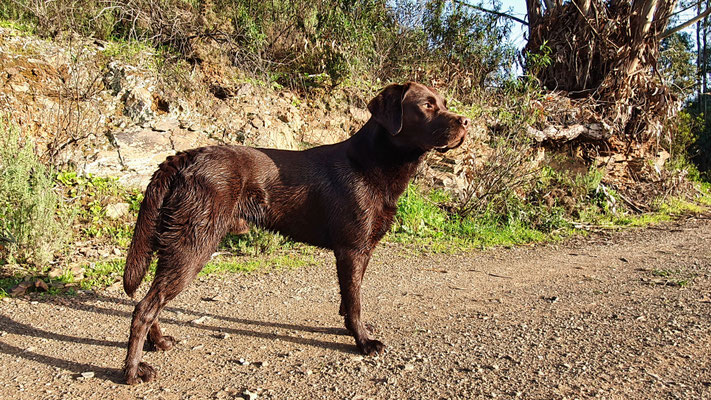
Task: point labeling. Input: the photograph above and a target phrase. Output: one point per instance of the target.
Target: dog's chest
(380, 223)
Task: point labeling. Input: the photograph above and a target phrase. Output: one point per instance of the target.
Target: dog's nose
(464, 121)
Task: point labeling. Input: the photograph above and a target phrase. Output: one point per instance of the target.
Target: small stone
(309, 372)
(117, 210)
(55, 273)
(78, 273)
(200, 320)
(20, 289)
(87, 374)
(224, 335)
(249, 395)
(242, 361)
(166, 125)
(41, 285)
(198, 347)
(20, 87)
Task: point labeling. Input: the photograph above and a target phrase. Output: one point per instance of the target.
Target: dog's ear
(386, 107)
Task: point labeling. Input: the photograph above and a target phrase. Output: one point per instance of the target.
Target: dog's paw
(166, 343)
(146, 372)
(143, 373)
(372, 347)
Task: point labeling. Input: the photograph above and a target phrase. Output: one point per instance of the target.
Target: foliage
(538, 60)
(676, 63)
(297, 43)
(255, 242)
(93, 195)
(691, 140)
(471, 43)
(32, 225)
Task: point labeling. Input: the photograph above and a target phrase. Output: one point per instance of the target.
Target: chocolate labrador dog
(340, 197)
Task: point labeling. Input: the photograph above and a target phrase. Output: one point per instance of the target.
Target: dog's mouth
(447, 147)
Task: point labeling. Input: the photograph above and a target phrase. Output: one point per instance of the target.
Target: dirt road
(619, 315)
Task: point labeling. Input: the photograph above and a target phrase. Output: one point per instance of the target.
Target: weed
(674, 277)
(93, 196)
(138, 53)
(17, 27)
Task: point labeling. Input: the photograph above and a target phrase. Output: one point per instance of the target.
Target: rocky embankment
(119, 110)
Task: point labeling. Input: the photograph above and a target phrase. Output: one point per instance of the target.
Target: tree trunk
(698, 57)
(704, 66)
(603, 56)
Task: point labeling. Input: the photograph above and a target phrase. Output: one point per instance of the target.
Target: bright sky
(516, 8)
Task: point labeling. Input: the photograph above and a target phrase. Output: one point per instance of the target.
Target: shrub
(31, 229)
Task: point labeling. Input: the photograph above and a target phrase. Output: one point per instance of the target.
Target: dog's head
(417, 116)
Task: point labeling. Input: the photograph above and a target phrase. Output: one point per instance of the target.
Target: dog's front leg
(351, 265)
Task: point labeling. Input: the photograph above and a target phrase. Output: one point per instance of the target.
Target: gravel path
(622, 315)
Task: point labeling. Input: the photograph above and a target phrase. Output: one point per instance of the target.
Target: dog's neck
(382, 162)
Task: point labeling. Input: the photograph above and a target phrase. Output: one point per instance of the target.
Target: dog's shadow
(12, 326)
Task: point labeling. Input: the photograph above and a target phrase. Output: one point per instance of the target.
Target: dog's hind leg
(172, 276)
(177, 267)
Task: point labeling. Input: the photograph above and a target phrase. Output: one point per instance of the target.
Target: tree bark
(698, 56)
(535, 13)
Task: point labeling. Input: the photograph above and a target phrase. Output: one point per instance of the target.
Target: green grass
(670, 209)
(421, 220)
(704, 197)
(224, 265)
(18, 27)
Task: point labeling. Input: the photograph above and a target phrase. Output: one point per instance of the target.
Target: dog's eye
(428, 106)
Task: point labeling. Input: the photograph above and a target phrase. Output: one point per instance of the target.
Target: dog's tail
(144, 240)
